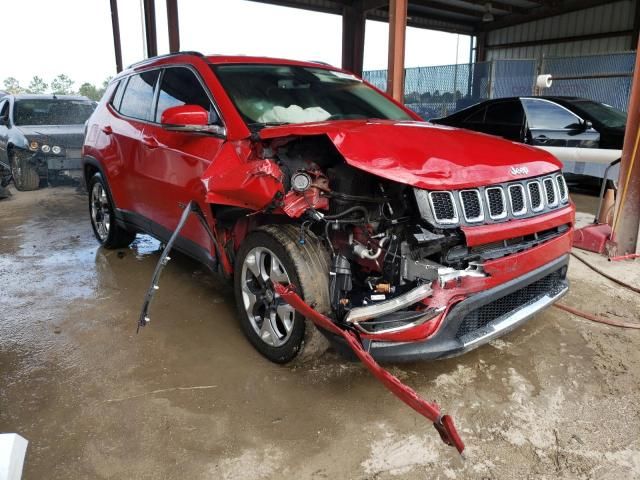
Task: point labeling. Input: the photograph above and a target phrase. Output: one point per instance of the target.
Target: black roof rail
(168, 55)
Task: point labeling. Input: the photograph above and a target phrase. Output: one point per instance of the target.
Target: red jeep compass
(425, 240)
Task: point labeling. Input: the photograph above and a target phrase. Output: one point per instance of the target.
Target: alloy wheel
(100, 211)
(271, 317)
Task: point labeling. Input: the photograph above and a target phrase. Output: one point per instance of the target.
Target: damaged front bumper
(483, 316)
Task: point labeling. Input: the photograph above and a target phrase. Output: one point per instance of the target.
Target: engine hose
(596, 318)
(357, 208)
(606, 275)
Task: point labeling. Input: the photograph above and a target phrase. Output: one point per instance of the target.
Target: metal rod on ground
(442, 423)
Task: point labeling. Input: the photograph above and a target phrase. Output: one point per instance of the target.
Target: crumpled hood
(69, 136)
(434, 157)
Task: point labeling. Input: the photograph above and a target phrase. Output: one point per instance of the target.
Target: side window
(117, 98)
(137, 100)
(4, 108)
(505, 113)
(543, 114)
(476, 117)
(180, 86)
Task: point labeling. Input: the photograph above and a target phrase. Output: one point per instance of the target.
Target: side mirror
(587, 125)
(189, 118)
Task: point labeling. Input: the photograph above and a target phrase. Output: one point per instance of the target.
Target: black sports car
(41, 137)
(585, 135)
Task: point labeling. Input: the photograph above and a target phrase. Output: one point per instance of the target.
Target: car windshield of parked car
(52, 112)
(602, 113)
(281, 94)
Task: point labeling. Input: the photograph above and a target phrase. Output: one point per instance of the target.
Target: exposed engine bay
(385, 255)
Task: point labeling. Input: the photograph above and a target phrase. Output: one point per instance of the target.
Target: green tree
(89, 90)
(11, 85)
(37, 85)
(62, 85)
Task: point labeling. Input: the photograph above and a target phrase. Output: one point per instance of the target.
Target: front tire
(25, 175)
(274, 254)
(103, 218)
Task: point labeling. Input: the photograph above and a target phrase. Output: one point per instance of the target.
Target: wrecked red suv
(425, 241)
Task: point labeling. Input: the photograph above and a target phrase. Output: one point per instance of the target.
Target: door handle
(541, 138)
(107, 130)
(150, 142)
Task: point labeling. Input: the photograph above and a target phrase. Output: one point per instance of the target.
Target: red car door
(133, 103)
(173, 161)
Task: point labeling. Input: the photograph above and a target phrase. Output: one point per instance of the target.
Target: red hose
(606, 275)
(596, 318)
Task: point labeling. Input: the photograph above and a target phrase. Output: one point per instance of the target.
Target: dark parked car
(585, 135)
(41, 137)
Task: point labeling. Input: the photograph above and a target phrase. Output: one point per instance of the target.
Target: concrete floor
(189, 398)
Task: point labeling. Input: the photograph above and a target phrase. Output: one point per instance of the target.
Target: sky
(74, 37)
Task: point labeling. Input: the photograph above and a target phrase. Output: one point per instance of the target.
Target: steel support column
(397, 35)
(353, 28)
(173, 26)
(627, 218)
(115, 26)
(150, 27)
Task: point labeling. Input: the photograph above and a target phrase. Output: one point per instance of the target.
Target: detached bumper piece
(442, 423)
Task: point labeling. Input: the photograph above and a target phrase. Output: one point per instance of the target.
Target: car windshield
(605, 114)
(52, 112)
(280, 94)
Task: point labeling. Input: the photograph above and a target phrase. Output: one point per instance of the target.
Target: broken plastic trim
(192, 207)
(442, 423)
(416, 295)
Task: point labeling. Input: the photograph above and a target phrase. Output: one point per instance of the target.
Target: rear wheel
(25, 175)
(103, 219)
(274, 254)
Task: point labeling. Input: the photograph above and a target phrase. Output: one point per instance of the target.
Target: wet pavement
(188, 397)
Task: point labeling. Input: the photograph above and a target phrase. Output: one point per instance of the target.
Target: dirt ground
(189, 398)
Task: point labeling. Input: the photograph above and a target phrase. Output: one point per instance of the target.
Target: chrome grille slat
(535, 196)
(496, 203)
(517, 199)
(444, 208)
(472, 208)
(562, 188)
(550, 192)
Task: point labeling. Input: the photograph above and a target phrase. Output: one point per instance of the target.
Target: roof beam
(505, 7)
(548, 9)
(470, 12)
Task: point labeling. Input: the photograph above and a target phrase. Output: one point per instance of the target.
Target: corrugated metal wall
(613, 17)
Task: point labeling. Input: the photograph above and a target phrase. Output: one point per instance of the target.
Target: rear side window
(117, 98)
(4, 108)
(543, 114)
(180, 86)
(505, 113)
(137, 100)
(476, 117)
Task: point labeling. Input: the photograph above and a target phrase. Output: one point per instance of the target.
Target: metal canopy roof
(457, 16)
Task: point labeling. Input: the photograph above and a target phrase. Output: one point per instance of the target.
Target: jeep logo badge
(519, 170)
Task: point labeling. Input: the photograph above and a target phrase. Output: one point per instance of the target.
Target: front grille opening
(444, 209)
(550, 192)
(562, 187)
(550, 285)
(491, 251)
(471, 205)
(518, 206)
(495, 199)
(535, 196)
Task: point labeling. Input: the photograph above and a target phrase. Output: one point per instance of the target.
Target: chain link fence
(439, 91)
